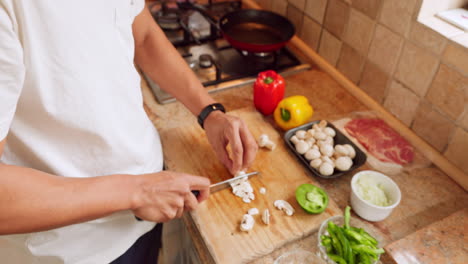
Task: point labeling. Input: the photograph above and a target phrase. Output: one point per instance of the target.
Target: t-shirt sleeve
(11, 70)
(138, 7)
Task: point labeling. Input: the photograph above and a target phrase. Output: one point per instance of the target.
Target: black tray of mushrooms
(324, 150)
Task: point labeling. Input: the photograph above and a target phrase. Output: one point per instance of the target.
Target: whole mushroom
(343, 163)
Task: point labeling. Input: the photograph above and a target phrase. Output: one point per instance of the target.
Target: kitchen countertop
(429, 195)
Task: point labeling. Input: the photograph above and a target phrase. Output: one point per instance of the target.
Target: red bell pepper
(268, 91)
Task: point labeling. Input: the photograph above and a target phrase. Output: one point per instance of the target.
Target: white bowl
(366, 209)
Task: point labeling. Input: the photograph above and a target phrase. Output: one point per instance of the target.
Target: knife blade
(227, 183)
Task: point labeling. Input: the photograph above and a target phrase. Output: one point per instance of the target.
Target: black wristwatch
(207, 111)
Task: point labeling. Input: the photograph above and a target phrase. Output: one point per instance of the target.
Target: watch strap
(207, 111)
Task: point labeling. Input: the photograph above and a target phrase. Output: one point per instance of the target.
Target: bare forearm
(31, 200)
(158, 58)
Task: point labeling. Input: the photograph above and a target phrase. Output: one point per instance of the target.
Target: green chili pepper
(372, 252)
(337, 259)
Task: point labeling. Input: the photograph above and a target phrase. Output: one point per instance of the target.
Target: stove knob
(205, 61)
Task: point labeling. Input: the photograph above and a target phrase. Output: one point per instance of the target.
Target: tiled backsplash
(413, 71)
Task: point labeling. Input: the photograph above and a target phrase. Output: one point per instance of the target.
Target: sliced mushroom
(266, 217)
(253, 211)
(247, 223)
(285, 206)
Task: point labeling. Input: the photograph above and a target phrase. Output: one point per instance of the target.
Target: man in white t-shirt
(79, 157)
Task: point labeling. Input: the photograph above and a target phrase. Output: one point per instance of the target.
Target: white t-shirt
(71, 105)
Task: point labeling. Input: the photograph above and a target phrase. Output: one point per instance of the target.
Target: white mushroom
(266, 217)
(247, 223)
(320, 135)
(312, 154)
(328, 140)
(326, 150)
(326, 169)
(343, 163)
(294, 140)
(329, 131)
(310, 141)
(265, 142)
(316, 128)
(351, 151)
(328, 160)
(301, 134)
(285, 206)
(311, 132)
(341, 150)
(316, 163)
(262, 190)
(253, 211)
(322, 124)
(302, 147)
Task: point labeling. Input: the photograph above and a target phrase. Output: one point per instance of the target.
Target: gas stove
(217, 65)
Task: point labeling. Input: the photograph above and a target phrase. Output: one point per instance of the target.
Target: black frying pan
(256, 30)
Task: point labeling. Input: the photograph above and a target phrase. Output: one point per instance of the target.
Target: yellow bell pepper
(292, 112)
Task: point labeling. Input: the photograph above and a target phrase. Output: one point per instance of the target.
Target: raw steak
(381, 140)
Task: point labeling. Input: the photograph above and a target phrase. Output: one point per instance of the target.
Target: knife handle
(195, 192)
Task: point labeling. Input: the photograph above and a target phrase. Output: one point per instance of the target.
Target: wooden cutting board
(218, 219)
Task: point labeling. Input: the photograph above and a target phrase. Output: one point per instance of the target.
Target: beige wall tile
(457, 56)
(359, 31)
(311, 32)
(295, 16)
(427, 38)
(397, 15)
(279, 6)
(449, 92)
(374, 81)
(385, 48)
(431, 126)
(368, 7)
(300, 4)
(456, 151)
(316, 9)
(329, 47)
(463, 121)
(416, 68)
(336, 17)
(401, 102)
(350, 63)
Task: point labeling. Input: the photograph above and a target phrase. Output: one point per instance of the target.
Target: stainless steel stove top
(216, 64)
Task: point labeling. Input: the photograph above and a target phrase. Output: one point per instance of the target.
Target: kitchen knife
(221, 185)
(227, 183)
